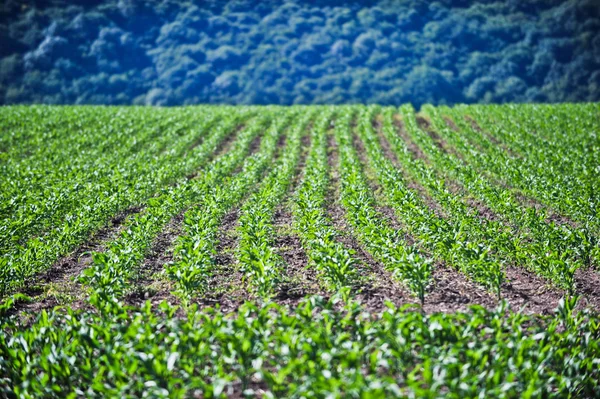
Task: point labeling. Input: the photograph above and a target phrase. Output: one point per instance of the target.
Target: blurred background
(299, 52)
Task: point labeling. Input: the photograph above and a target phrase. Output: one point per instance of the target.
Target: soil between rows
(522, 289)
(58, 286)
(377, 285)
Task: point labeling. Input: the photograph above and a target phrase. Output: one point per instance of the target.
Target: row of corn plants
(506, 244)
(444, 240)
(551, 252)
(256, 254)
(64, 177)
(113, 269)
(327, 349)
(334, 262)
(557, 169)
(195, 250)
(23, 261)
(578, 246)
(385, 243)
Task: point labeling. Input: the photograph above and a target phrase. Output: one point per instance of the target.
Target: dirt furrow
(150, 283)
(222, 148)
(299, 279)
(413, 148)
(526, 289)
(377, 284)
(475, 126)
(425, 125)
(389, 153)
(226, 286)
(58, 285)
(587, 284)
(451, 290)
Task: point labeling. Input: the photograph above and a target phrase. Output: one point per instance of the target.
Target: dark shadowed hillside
(298, 52)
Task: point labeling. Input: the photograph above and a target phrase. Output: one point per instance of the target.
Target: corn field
(302, 251)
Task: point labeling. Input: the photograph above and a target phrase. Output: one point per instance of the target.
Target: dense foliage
(299, 52)
(320, 349)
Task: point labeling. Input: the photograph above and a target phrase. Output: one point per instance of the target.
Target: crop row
(259, 261)
(195, 251)
(334, 262)
(385, 243)
(63, 177)
(113, 268)
(554, 252)
(96, 207)
(318, 349)
(543, 162)
(441, 172)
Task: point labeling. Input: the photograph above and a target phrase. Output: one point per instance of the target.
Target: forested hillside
(298, 52)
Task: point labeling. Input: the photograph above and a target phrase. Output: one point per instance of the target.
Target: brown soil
(281, 141)
(451, 291)
(383, 142)
(587, 284)
(413, 148)
(226, 287)
(526, 289)
(60, 279)
(255, 145)
(145, 285)
(361, 152)
(305, 142)
(482, 210)
(300, 280)
(426, 126)
(222, 148)
(376, 284)
(451, 124)
(473, 123)
(389, 216)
